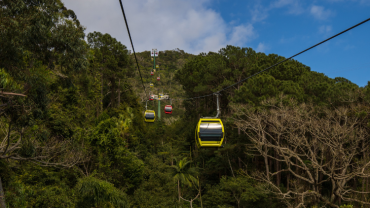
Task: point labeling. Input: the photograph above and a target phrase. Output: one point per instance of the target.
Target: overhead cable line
(132, 45)
(282, 61)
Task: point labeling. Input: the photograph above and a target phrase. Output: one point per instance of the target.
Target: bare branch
(309, 141)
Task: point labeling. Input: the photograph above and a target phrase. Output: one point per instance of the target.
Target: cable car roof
(210, 127)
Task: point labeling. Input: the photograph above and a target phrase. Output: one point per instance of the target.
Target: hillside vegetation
(73, 132)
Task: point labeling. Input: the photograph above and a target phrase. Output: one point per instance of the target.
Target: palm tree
(183, 173)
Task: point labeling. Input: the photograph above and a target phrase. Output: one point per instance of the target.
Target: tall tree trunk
(101, 93)
(178, 188)
(200, 195)
(320, 187)
(230, 164)
(113, 90)
(339, 201)
(277, 164)
(207, 109)
(362, 179)
(119, 92)
(266, 162)
(240, 164)
(2, 196)
(355, 187)
(271, 162)
(8, 141)
(367, 188)
(287, 181)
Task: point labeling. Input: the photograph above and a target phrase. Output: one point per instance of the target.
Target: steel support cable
(284, 60)
(132, 45)
(279, 62)
(297, 54)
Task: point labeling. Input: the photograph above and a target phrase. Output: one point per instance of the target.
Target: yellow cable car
(157, 66)
(149, 116)
(209, 131)
(151, 85)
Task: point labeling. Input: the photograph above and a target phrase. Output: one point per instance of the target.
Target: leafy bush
(93, 192)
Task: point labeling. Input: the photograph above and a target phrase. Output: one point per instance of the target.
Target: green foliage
(17, 195)
(54, 196)
(216, 196)
(158, 188)
(42, 27)
(182, 172)
(40, 187)
(346, 206)
(109, 143)
(92, 192)
(242, 189)
(87, 94)
(7, 82)
(235, 192)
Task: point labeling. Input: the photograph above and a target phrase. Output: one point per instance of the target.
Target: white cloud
(260, 13)
(365, 2)
(284, 40)
(320, 13)
(334, 1)
(356, 1)
(294, 6)
(241, 33)
(262, 47)
(325, 29)
(349, 47)
(281, 3)
(162, 24)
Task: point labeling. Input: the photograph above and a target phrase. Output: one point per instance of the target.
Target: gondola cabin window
(210, 131)
(149, 116)
(168, 109)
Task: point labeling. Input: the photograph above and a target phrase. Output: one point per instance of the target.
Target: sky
(283, 27)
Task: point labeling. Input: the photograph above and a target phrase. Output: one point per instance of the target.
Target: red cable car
(151, 98)
(152, 73)
(158, 78)
(168, 109)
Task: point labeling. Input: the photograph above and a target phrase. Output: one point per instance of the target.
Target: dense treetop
(73, 133)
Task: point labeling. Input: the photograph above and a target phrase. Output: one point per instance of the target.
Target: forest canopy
(73, 132)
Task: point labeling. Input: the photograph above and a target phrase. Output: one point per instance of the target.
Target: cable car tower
(155, 54)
